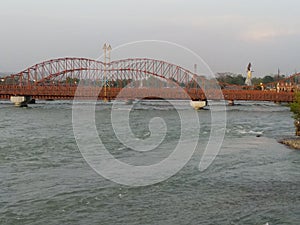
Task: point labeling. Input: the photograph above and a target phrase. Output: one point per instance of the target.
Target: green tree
(295, 108)
(256, 81)
(71, 80)
(268, 79)
(231, 78)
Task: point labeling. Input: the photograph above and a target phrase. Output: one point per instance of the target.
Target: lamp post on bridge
(107, 50)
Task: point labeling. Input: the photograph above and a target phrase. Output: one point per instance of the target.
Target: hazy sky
(227, 34)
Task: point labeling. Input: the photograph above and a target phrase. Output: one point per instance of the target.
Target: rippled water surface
(45, 180)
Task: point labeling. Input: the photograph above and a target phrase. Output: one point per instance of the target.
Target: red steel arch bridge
(136, 77)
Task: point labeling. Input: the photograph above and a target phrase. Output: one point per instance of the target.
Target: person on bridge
(262, 86)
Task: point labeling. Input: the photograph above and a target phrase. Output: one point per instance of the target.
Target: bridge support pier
(20, 101)
(198, 104)
(32, 101)
(231, 102)
(129, 101)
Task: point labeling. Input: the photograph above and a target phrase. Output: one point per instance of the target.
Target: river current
(44, 179)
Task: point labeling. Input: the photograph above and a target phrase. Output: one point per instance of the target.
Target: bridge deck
(68, 92)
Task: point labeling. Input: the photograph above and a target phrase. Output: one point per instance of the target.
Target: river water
(45, 180)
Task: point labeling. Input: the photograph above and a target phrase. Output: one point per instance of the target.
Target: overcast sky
(227, 34)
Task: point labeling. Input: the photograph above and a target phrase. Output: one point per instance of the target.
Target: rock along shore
(291, 142)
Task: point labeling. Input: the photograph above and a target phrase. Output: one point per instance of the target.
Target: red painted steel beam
(58, 92)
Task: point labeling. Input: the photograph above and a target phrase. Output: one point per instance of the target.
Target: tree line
(239, 79)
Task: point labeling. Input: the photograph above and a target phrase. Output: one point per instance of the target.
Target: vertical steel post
(106, 49)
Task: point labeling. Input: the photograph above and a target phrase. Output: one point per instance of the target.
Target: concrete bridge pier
(197, 104)
(231, 102)
(32, 101)
(20, 101)
(129, 101)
